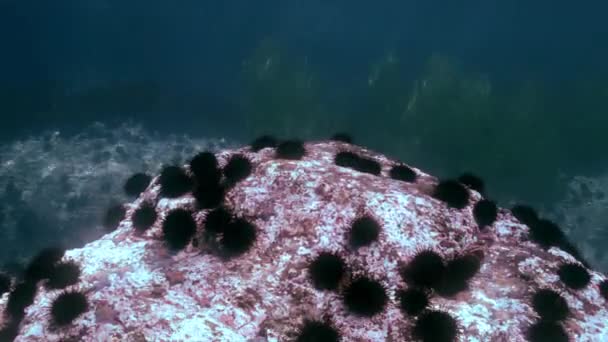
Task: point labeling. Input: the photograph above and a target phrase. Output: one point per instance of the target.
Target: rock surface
(138, 290)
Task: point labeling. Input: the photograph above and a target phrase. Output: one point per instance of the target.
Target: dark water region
(514, 91)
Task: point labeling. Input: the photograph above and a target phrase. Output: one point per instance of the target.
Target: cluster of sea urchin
(428, 272)
(46, 266)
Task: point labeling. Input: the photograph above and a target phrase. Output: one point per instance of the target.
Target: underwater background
(93, 91)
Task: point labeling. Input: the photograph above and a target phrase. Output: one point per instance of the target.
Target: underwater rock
(249, 280)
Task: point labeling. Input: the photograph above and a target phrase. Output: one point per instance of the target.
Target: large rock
(138, 290)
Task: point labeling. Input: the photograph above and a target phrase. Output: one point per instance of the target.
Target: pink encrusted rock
(140, 291)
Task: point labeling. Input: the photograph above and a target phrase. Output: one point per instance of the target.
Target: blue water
(193, 50)
(530, 75)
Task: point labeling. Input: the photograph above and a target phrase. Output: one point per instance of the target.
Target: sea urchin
(217, 220)
(543, 331)
(524, 214)
(262, 142)
(326, 271)
(238, 237)
(546, 233)
(342, 137)
(5, 283)
(144, 217)
(204, 167)
(574, 275)
(365, 297)
(424, 270)
(64, 274)
(20, 298)
(67, 307)
(472, 181)
(317, 331)
(364, 231)
(174, 181)
(237, 168)
(178, 228)
(41, 265)
(113, 216)
(603, 288)
(290, 150)
(413, 300)
(457, 273)
(209, 196)
(550, 305)
(485, 212)
(453, 193)
(136, 184)
(403, 173)
(435, 326)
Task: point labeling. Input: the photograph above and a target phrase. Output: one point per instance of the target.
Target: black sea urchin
(574, 275)
(217, 220)
(136, 184)
(453, 193)
(346, 159)
(67, 307)
(204, 167)
(317, 331)
(472, 181)
(178, 228)
(64, 274)
(113, 216)
(367, 165)
(464, 266)
(209, 196)
(457, 273)
(262, 142)
(365, 297)
(524, 214)
(5, 283)
(358, 163)
(435, 326)
(364, 231)
(547, 331)
(238, 237)
(237, 168)
(485, 213)
(144, 217)
(174, 182)
(413, 300)
(550, 305)
(424, 270)
(546, 233)
(570, 248)
(326, 271)
(603, 288)
(342, 137)
(403, 173)
(41, 265)
(20, 298)
(291, 150)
